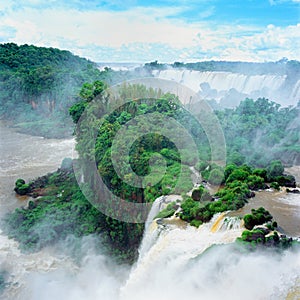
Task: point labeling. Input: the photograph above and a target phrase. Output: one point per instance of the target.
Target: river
(283, 206)
(27, 157)
(52, 274)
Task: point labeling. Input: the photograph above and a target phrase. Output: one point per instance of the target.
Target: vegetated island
(59, 203)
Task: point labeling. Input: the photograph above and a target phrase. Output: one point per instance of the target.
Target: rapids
(176, 261)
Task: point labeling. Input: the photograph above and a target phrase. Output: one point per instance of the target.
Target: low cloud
(143, 34)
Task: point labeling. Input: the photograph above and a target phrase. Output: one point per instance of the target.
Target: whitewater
(230, 88)
(175, 261)
(204, 263)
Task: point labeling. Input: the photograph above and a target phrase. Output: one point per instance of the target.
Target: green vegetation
(211, 172)
(168, 211)
(161, 165)
(260, 131)
(21, 187)
(265, 235)
(257, 217)
(239, 181)
(291, 68)
(38, 85)
(150, 156)
(201, 194)
(232, 196)
(63, 210)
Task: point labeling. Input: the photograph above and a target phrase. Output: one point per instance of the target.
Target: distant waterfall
(296, 91)
(219, 85)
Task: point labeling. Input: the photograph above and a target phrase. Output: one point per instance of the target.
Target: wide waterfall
(230, 88)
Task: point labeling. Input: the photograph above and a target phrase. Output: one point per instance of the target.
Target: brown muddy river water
(27, 157)
(284, 207)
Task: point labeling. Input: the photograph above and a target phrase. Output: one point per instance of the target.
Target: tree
(275, 169)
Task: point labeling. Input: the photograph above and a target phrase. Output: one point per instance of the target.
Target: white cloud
(143, 34)
(275, 2)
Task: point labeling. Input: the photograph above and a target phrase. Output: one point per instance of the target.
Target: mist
(221, 273)
(167, 271)
(180, 263)
(229, 85)
(53, 274)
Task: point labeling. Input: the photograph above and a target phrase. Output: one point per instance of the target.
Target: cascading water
(178, 261)
(218, 85)
(173, 248)
(296, 91)
(204, 263)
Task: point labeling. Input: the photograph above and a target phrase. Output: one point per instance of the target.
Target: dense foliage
(62, 210)
(264, 234)
(150, 148)
(257, 217)
(291, 68)
(259, 131)
(99, 114)
(239, 183)
(38, 85)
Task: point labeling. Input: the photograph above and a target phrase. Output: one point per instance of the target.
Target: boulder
(295, 191)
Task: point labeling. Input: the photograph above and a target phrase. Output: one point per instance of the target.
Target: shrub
(255, 182)
(23, 189)
(257, 217)
(275, 185)
(286, 180)
(201, 194)
(216, 177)
(257, 236)
(249, 221)
(168, 211)
(237, 174)
(19, 182)
(275, 169)
(196, 223)
(261, 173)
(228, 170)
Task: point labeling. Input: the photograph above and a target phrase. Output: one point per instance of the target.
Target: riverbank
(28, 157)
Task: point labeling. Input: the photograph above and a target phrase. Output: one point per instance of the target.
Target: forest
(46, 88)
(38, 85)
(162, 166)
(281, 67)
(259, 131)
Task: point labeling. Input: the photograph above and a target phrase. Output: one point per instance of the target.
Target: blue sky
(182, 30)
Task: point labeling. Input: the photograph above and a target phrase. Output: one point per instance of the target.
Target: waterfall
(296, 91)
(173, 247)
(217, 85)
(151, 232)
(202, 263)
